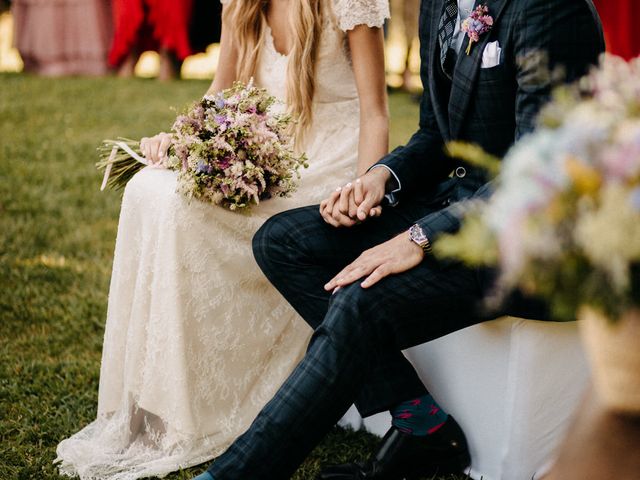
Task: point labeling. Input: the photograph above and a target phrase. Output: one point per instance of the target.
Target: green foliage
(57, 234)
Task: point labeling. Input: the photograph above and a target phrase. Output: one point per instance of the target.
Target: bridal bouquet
(564, 221)
(230, 149)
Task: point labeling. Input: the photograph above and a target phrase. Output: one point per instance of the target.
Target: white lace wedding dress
(196, 339)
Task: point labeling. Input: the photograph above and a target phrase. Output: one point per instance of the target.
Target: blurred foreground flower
(564, 221)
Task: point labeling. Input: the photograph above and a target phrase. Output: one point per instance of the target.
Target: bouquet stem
(120, 159)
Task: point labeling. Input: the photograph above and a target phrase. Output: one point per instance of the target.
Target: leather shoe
(402, 456)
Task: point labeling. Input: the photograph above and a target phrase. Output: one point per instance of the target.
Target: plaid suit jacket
(492, 107)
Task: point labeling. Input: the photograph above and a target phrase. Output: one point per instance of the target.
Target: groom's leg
(299, 253)
(360, 327)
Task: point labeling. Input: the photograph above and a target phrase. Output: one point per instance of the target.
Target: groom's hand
(391, 257)
(356, 201)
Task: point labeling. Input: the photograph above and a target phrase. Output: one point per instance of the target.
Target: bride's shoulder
(351, 13)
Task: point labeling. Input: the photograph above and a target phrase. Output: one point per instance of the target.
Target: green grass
(57, 234)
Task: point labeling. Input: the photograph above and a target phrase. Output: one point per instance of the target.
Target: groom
(372, 289)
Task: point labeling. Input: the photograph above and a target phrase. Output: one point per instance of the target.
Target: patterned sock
(421, 416)
(204, 476)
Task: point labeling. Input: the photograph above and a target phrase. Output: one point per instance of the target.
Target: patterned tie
(445, 30)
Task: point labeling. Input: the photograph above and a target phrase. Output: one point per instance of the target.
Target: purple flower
(224, 163)
(220, 102)
(478, 23)
(204, 168)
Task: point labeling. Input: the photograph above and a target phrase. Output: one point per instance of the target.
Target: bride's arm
(227, 61)
(367, 53)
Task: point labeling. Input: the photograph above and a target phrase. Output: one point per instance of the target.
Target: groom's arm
(557, 32)
(422, 160)
(417, 164)
(548, 35)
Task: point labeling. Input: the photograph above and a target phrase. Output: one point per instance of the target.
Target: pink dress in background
(63, 37)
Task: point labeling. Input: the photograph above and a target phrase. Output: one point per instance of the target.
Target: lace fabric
(352, 13)
(196, 339)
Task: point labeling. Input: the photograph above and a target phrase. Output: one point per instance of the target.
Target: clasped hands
(355, 203)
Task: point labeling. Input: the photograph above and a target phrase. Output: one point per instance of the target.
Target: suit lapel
(467, 68)
(438, 99)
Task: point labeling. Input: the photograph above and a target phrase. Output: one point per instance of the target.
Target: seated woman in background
(197, 340)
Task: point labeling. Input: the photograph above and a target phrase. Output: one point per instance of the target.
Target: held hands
(155, 148)
(357, 201)
(391, 257)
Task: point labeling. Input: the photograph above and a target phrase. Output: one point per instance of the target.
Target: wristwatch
(417, 236)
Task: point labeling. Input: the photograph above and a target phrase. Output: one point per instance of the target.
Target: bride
(196, 339)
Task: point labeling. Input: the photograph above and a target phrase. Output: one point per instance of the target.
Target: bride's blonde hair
(247, 21)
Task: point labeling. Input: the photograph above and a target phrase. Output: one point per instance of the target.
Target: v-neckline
(272, 41)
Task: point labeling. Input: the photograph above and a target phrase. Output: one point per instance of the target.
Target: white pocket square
(491, 55)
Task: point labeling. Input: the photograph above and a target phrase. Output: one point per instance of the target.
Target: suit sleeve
(422, 160)
(552, 39)
(548, 34)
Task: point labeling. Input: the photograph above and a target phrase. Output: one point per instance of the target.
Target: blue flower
(203, 168)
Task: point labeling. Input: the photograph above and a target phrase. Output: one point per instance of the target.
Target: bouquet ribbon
(126, 148)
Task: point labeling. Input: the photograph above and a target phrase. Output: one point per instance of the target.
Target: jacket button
(461, 172)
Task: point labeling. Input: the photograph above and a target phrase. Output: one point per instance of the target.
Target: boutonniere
(478, 23)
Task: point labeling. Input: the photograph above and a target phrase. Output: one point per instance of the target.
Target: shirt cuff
(391, 196)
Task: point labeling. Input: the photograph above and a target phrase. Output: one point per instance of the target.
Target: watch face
(417, 235)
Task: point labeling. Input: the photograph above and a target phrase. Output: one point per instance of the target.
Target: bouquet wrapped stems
(120, 160)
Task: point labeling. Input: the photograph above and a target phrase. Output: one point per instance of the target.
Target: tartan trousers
(355, 352)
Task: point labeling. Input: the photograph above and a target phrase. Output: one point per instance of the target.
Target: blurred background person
(618, 19)
(62, 37)
(406, 13)
(173, 28)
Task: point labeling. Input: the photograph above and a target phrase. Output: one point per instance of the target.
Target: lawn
(57, 234)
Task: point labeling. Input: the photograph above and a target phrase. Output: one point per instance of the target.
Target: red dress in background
(619, 25)
(151, 25)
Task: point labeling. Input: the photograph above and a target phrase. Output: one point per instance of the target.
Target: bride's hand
(155, 148)
(357, 201)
